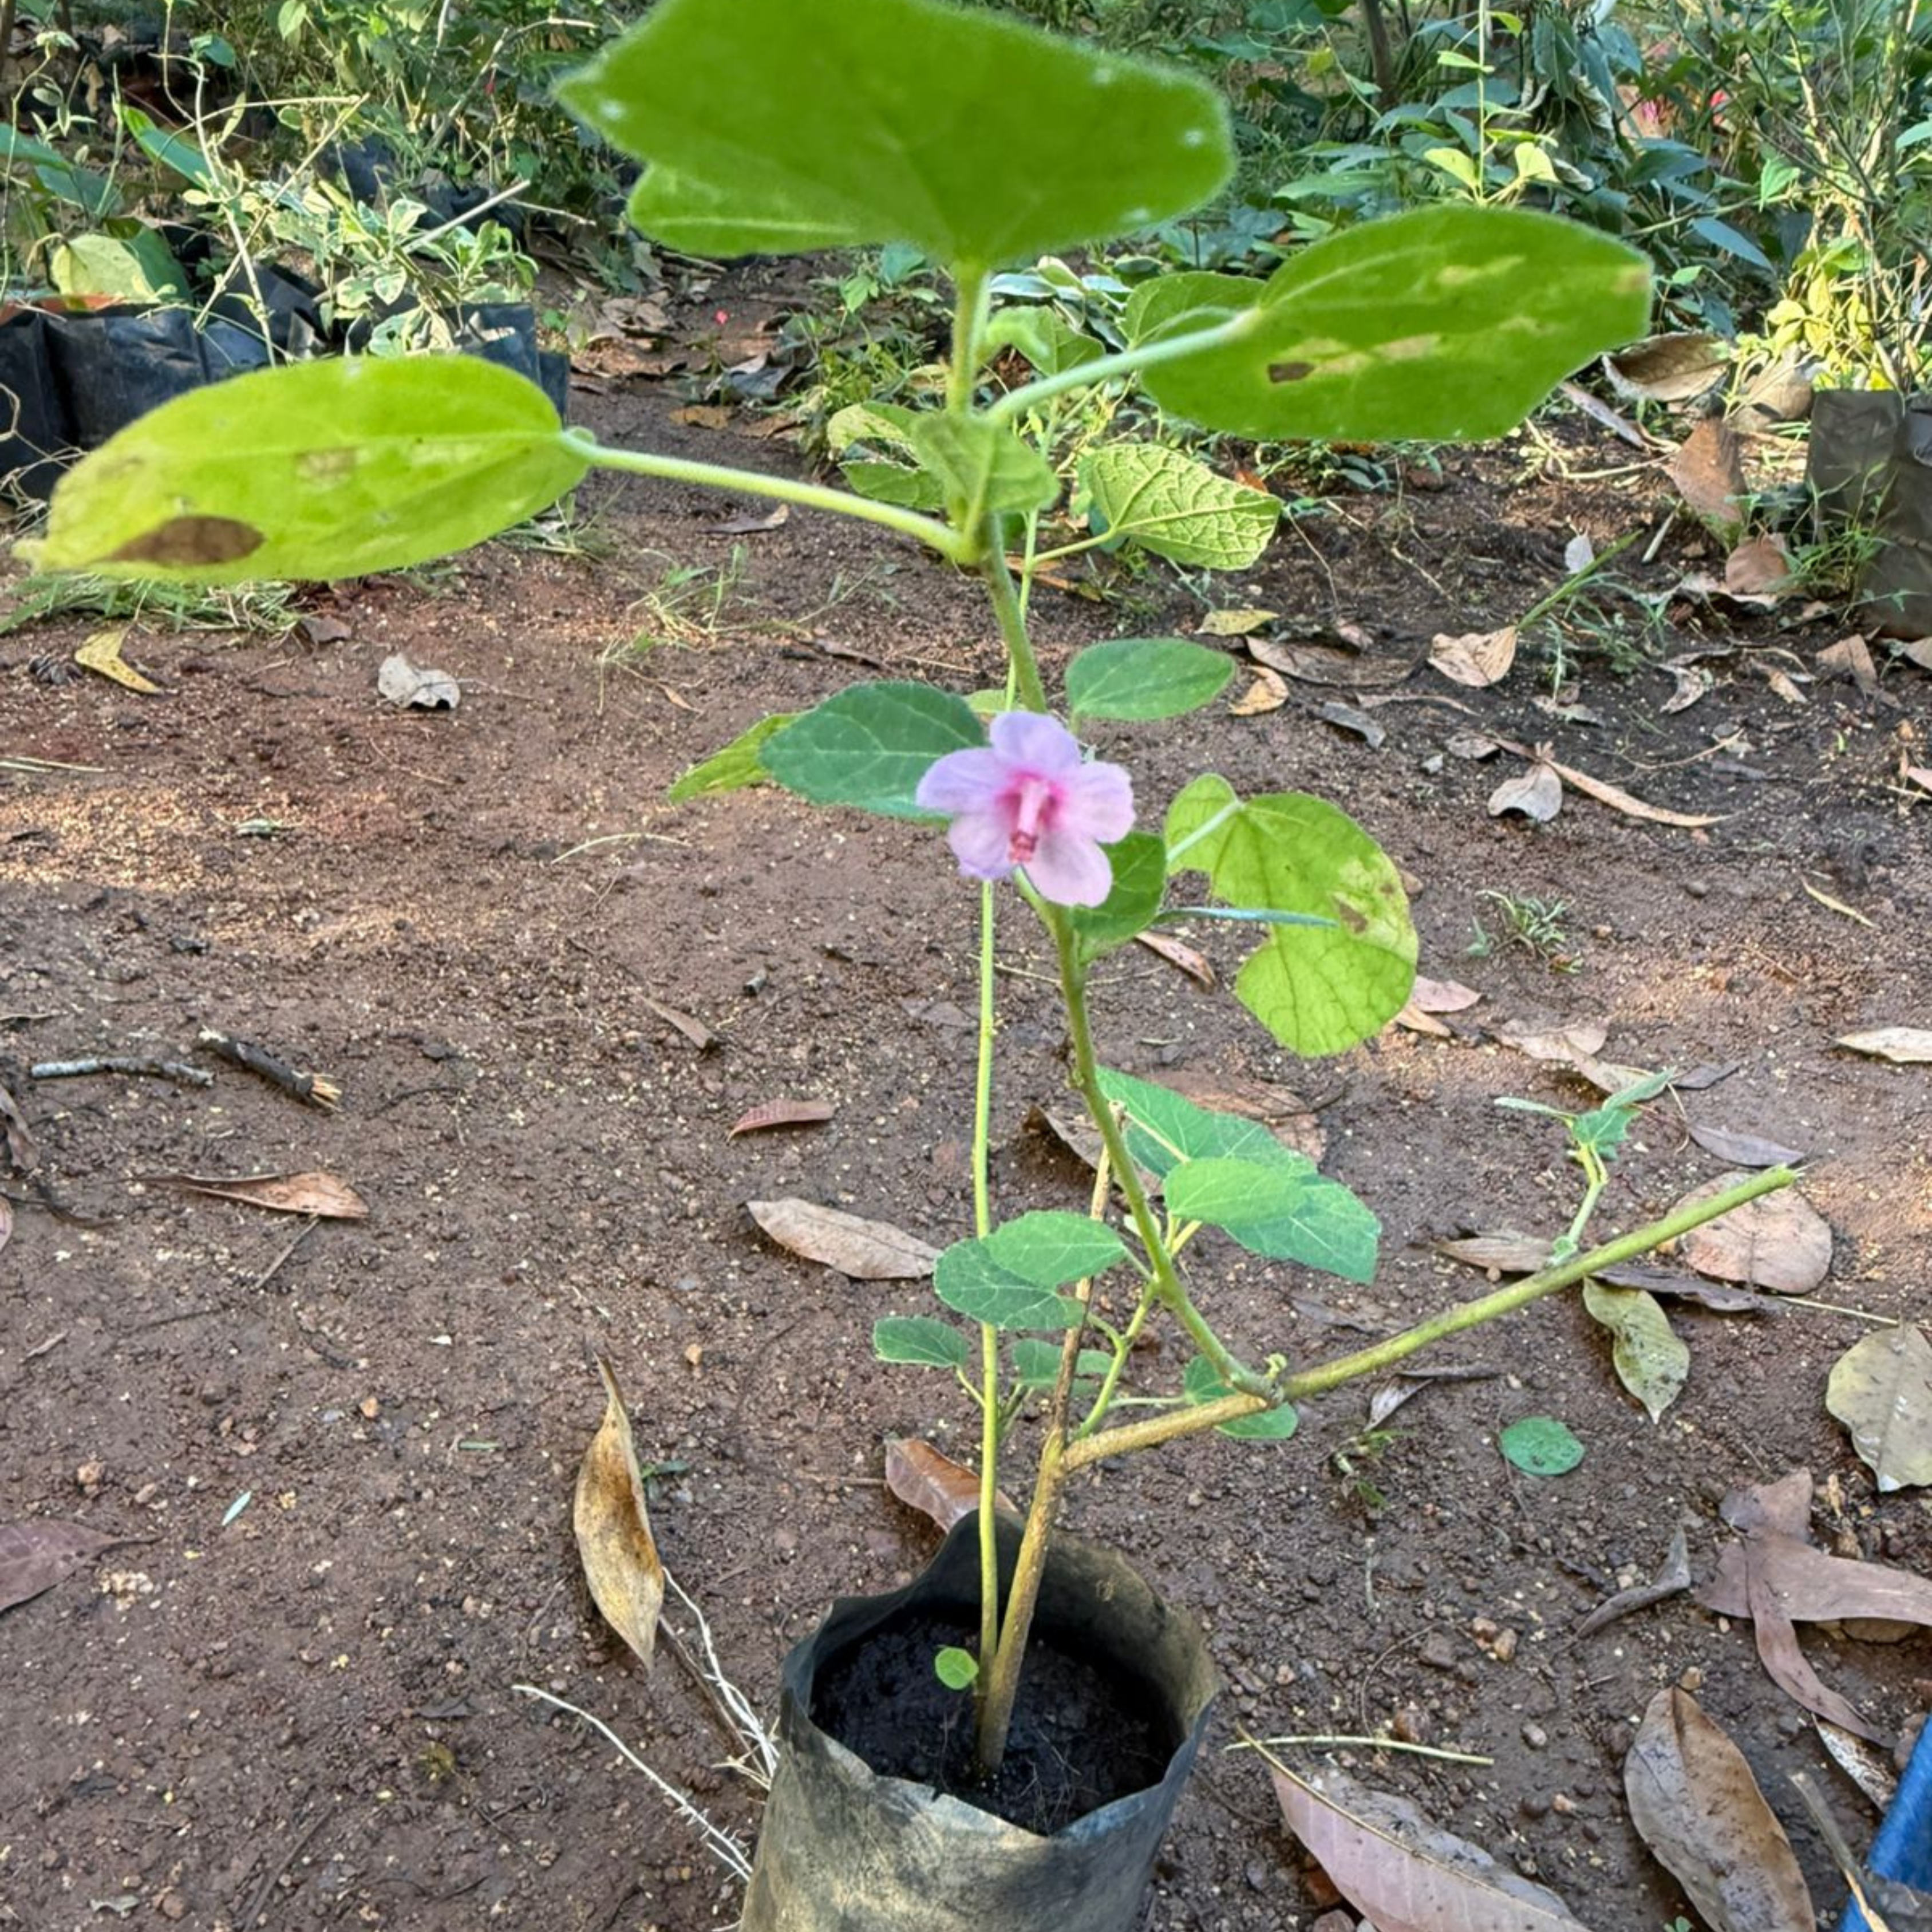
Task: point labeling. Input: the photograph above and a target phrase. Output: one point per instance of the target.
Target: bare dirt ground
(303, 1713)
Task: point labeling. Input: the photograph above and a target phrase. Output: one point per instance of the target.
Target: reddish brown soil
(307, 1717)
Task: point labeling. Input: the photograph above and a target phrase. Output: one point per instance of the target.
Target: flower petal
(967, 780)
(1098, 802)
(1070, 869)
(980, 841)
(1037, 743)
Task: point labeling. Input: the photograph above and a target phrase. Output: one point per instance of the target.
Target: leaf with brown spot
(1268, 690)
(1743, 1150)
(1903, 1046)
(924, 1479)
(614, 1542)
(308, 1193)
(782, 1114)
(1476, 659)
(1779, 1242)
(1195, 965)
(182, 542)
(1695, 1804)
(1385, 1857)
(36, 1554)
(866, 1250)
(1537, 794)
(1881, 1390)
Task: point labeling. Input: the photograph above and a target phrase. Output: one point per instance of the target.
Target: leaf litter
(866, 1250)
(1779, 1242)
(311, 1192)
(926, 1479)
(36, 1554)
(782, 1114)
(1881, 1389)
(613, 1524)
(1904, 1046)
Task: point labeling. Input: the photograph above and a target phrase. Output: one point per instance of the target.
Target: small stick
(1374, 1743)
(40, 1348)
(269, 1272)
(252, 1910)
(254, 1059)
(176, 1070)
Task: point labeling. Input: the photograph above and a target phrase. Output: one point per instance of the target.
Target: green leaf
(1540, 1445)
(870, 744)
(66, 181)
(958, 1669)
(1178, 304)
(1651, 1361)
(982, 466)
(1164, 1128)
(1446, 324)
(1045, 338)
(1200, 1384)
(1291, 1214)
(1036, 1364)
(1175, 507)
(735, 766)
(101, 264)
(924, 1341)
(1140, 883)
(894, 483)
(780, 126)
(172, 150)
(1007, 1279)
(1316, 990)
(1145, 677)
(319, 470)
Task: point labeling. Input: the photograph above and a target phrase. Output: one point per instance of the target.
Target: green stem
(936, 535)
(1011, 619)
(991, 1421)
(1380, 1355)
(1122, 363)
(1001, 1684)
(971, 300)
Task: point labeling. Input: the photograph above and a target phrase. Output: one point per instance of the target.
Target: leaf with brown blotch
(614, 1542)
(36, 1554)
(1902, 1046)
(184, 541)
(1743, 1150)
(1442, 996)
(1779, 1242)
(1268, 690)
(1695, 1804)
(1881, 1390)
(782, 1114)
(866, 1250)
(1537, 794)
(1391, 1864)
(924, 1479)
(1475, 659)
(1195, 965)
(310, 1192)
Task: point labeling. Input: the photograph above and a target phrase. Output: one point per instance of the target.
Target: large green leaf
(1271, 1210)
(790, 124)
(139, 268)
(1164, 1128)
(733, 767)
(1199, 1384)
(1036, 1366)
(870, 744)
(982, 466)
(922, 1341)
(1449, 323)
(1145, 677)
(1140, 882)
(1318, 990)
(1176, 507)
(1010, 1279)
(320, 469)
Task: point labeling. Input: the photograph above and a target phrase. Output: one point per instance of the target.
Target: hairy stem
(991, 1420)
(1005, 595)
(1380, 1355)
(936, 535)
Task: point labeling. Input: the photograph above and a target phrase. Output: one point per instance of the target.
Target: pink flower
(1029, 799)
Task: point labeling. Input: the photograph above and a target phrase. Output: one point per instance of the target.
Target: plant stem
(970, 304)
(990, 1418)
(1005, 596)
(1001, 1683)
(1124, 363)
(936, 535)
(1380, 1355)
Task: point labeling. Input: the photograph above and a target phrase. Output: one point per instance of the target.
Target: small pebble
(1535, 1736)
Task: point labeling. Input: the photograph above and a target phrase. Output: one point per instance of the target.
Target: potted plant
(788, 125)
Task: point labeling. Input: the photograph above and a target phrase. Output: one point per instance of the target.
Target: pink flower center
(1034, 799)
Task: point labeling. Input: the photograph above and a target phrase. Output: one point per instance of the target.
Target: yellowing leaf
(102, 652)
(613, 1527)
(1881, 1390)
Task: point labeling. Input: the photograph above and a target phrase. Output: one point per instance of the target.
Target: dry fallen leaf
(1868, 1767)
(311, 1192)
(703, 415)
(1409, 1383)
(1905, 1046)
(613, 1527)
(866, 1250)
(1474, 658)
(1268, 690)
(36, 1554)
(1536, 794)
(1708, 469)
(1195, 965)
(1850, 657)
(6, 1220)
(1323, 662)
(1673, 368)
(403, 683)
(925, 1479)
(1234, 623)
(1618, 800)
(1695, 1804)
(1779, 1242)
(1417, 1020)
(1811, 1587)
(1346, 718)
(752, 523)
(1671, 1581)
(1391, 1864)
(15, 1141)
(1498, 1254)
(1743, 1150)
(102, 652)
(1760, 568)
(1442, 996)
(782, 1114)
(1693, 682)
(700, 1035)
(1582, 1039)
(1881, 1390)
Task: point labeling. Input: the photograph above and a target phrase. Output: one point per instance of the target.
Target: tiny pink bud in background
(1030, 799)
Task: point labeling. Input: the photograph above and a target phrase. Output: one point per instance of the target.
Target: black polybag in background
(1870, 470)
